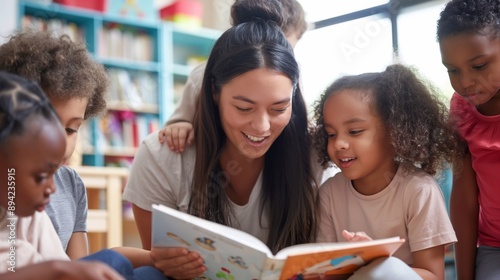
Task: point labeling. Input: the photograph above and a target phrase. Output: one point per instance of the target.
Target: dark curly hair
(64, 69)
(469, 16)
(415, 118)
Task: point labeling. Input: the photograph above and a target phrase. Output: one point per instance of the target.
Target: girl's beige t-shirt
(412, 207)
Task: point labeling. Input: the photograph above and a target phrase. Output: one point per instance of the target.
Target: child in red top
(469, 36)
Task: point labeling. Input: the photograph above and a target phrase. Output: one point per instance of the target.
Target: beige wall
(216, 13)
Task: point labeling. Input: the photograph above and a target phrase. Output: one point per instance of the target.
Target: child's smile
(357, 141)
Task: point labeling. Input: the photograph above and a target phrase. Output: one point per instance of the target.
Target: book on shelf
(117, 41)
(230, 253)
(55, 26)
(124, 129)
(132, 89)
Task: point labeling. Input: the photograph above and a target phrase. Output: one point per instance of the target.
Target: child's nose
(261, 123)
(51, 187)
(341, 143)
(466, 80)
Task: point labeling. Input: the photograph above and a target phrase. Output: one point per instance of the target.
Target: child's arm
(77, 246)
(464, 211)
(178, 130)
(138, 257)
(429, 263)
(55, 270)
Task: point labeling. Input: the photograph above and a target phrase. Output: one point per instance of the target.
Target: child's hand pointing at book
(356, 236)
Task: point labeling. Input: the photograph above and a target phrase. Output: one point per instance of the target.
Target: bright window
(353, 47)
(418, 45)
(317, 10)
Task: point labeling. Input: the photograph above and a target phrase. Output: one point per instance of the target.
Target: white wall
(349, 48)
(418, 45)
(8, 19)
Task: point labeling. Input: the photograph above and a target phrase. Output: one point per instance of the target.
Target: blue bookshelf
(150, 52)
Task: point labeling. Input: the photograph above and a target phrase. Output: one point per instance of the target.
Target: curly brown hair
(415, 118)
(64, 69)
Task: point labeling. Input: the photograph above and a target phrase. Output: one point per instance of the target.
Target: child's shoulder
(417, 181)
(336, 181)
(152, 151)
(410, 174)
(66, 176)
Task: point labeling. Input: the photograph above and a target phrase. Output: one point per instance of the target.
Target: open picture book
(230, 253)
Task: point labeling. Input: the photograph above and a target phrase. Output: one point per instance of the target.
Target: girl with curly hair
(468, 32)
(388, 134)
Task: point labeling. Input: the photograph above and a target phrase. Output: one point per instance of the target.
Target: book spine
(271, 270)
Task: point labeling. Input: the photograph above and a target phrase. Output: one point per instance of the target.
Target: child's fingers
(356, 236)
(190, 137)
(175, 139)
(177, 135)
(182, 139)
(347, 234)
(161, 135)
(168, 139)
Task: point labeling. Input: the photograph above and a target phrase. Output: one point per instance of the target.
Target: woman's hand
(177, 262)
(356, 236)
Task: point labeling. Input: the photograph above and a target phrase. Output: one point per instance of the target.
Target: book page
(228, 253)
(338, 259)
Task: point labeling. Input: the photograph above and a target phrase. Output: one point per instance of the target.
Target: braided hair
(19, 100)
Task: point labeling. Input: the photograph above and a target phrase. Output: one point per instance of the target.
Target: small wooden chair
(104, 193)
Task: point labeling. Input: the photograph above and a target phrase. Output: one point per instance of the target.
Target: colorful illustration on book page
(340, 262)
(177, 238)
(319, 270)
(333, 264)
(205, 243)
(237, 261)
